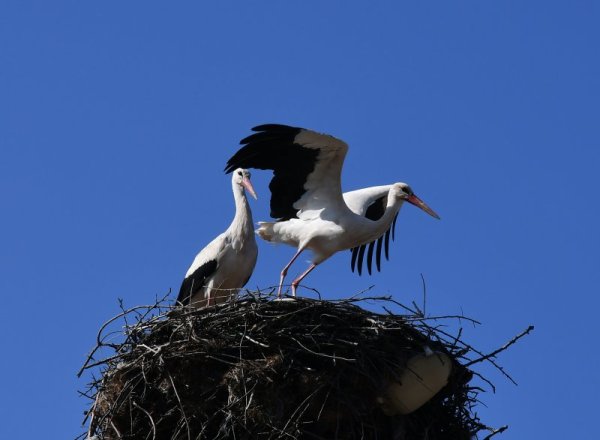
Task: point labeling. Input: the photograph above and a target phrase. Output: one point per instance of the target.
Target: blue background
(116, 119)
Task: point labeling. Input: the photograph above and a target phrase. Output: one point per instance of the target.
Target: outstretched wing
(307, 168)
(370, 202)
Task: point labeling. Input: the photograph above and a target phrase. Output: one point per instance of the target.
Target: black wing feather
(361, 254)
(378, 254)
(387, 245)
(353, 260)
(272, 147)
(394, 227)
(194, 282)
(370, 256)
(374, 212)
(376, 209)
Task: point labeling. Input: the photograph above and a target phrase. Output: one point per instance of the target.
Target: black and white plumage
(225, 265)
(370, 203)
(306, 194)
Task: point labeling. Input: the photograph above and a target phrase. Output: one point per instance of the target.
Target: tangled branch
(259, 368)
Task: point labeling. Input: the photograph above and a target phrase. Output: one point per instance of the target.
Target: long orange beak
(421, 204)
(248, 185)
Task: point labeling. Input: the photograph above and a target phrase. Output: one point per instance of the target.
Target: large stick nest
(255, 368)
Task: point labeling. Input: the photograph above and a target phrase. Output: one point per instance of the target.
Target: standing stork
(306, 195)
(225, 265)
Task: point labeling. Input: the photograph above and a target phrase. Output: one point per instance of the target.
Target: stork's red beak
(248, 185)
(421, 204)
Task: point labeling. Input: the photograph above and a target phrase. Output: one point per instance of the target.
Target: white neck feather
(242, 223)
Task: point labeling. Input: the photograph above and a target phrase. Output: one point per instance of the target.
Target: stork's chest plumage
(245, 244)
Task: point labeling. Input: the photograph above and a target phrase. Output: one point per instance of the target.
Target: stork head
(402, 191)
(242, 178)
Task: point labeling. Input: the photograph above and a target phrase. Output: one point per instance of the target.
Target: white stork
(225, 265)
(306, 195)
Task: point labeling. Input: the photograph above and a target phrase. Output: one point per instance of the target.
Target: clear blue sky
(116, 119)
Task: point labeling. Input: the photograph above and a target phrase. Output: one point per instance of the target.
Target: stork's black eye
(239, 173)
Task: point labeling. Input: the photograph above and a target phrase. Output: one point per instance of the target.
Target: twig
(424, 295)
(187, 425)
(504, 347)
(496, 431)
(334, 357)
(149, 417)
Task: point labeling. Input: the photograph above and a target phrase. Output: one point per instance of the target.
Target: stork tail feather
(265, 230)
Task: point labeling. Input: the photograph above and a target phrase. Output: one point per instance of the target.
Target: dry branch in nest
(255, 368)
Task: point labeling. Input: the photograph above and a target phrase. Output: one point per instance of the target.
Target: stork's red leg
(285, 270)
(301, 277)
